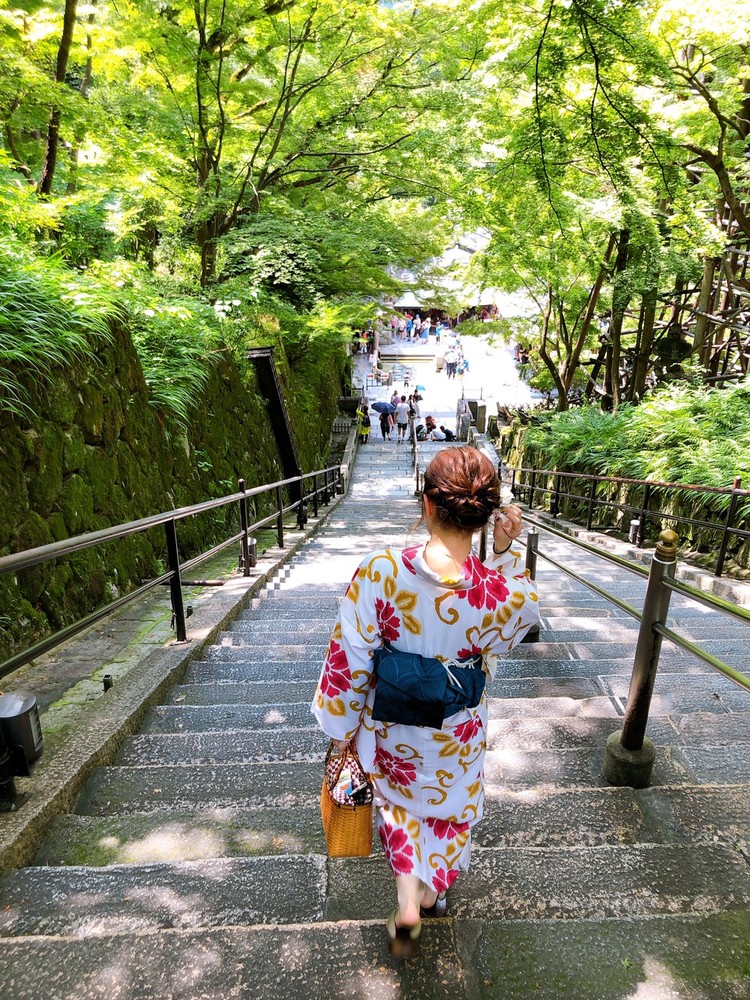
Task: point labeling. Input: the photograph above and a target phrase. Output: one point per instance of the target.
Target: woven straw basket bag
(347, 818)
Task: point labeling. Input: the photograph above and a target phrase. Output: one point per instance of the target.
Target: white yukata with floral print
(429, 783)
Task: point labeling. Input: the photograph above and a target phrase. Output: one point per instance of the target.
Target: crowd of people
(404, 413)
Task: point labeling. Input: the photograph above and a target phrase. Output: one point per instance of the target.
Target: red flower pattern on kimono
(398, 850)
(446, 829)
(489, 587)
(466, 653)
(443, 879)
(407, 555)
(337, 676)
(468, 730)
(388, 621)
(396, 769)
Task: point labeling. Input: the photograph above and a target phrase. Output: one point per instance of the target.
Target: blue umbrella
(384, 407)
(421, 388)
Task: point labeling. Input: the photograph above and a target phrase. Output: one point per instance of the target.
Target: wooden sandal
(403, 942)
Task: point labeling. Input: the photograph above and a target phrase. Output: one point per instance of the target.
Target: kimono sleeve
(347, 669)
(518, 612)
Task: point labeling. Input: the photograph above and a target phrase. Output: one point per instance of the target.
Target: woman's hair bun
(464, 486)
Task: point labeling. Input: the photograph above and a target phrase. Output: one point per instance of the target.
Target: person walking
(402, 419)
(434, 600)
(386, 425)
(451, 358)
(363, 422)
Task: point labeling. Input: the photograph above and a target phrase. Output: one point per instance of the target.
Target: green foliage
(48, 317)
(679, 434)
(177, 337)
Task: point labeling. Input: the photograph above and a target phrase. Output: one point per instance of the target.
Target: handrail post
(727, 527)
(315, 494)
(245, 541)
(592, 498)
(629, 757)
(326, 498)
(301, 507)
(175, 581)
(280, 518)
(642, 516)
(532, 548)
(554, 508)
(531, 488)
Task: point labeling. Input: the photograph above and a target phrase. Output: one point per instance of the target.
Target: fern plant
(48, 318)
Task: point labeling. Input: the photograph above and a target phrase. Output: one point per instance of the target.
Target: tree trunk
(573, 362)
(83, 90)
(645, 343)
(620, 300)
(562, 394)
(704, 305)
(53, 130)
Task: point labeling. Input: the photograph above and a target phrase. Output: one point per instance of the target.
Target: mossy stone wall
(98, 453)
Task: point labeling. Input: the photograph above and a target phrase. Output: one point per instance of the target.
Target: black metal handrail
(536, 483)
(630, 754)
(320, 492)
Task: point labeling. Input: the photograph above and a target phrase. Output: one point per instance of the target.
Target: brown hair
(464, 486)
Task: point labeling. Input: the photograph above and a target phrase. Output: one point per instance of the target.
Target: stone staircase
(194, 865)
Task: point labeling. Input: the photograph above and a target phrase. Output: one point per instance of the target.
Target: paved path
(194, 866)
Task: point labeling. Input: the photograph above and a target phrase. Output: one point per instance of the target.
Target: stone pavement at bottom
(193, 865)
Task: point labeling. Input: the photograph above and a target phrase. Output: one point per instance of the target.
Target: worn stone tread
(596, 882)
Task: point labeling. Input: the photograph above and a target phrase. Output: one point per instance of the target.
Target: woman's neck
(447, 551)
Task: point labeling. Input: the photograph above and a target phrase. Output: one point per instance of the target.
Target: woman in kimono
(439, 600)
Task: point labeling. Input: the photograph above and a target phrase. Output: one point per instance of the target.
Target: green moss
(91, 416)
(76, 505)
(100, 472)
(46, 473)
(100, 454)
(74, 451)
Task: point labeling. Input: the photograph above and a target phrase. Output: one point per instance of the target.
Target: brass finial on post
(666, 547)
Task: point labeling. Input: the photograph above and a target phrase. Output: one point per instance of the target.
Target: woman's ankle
(429, 898)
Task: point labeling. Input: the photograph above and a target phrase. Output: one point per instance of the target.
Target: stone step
(263, 692)
(223, 718)
(208, 893)
(518, 819)
(578, 766)
(564, 883)
(505, 884)
(171, 719)
(249, 693)
(224, 670)
(678, 693)
(233, 665)
(112, 790)
(142, 838)
(223, 746)
(581, 766)
(681, 957)
(702, 729)
(578, 740)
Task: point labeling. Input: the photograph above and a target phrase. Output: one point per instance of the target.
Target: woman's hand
(508, 526)
(340, 745)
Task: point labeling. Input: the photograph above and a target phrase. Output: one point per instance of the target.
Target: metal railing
(629, 754)
(324, 484)
(531, 484)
